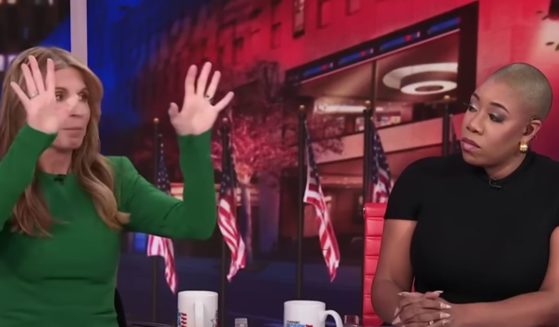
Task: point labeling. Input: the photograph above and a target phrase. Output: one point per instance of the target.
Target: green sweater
(69, 279)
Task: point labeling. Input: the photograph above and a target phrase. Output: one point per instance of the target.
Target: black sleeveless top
(478, 239)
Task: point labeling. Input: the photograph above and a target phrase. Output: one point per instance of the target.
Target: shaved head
(530, 83)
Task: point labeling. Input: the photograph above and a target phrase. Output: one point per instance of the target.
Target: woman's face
(69, 82)
(496, 121)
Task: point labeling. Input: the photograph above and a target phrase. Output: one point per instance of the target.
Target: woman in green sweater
(59, 241)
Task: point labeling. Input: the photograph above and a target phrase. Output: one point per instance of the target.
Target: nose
(474, 123)
(79, 109)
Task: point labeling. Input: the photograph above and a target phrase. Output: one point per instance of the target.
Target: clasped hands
(423, 309)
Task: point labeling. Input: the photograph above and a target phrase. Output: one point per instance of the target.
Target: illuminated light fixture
(423, 79)
(339, 109)
(336, 105)
(428, 87)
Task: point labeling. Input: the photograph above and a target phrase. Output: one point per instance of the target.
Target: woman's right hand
(422, 310)
(44, 112)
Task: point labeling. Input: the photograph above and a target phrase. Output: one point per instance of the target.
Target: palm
(43, 111)
(198, 114)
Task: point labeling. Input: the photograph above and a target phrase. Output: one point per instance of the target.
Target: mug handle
(199, 314)
(334, 315)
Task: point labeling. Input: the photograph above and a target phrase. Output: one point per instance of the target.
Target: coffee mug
(197, 309)
(300, 313)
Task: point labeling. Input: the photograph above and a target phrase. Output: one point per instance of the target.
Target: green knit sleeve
(154, 212)
(17, 167)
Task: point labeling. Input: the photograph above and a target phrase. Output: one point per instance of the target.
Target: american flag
(315, 197)
(227, 220)
(380, 178)
(158, 245)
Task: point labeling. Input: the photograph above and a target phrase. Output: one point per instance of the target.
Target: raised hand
(198, 114)
(44, 113)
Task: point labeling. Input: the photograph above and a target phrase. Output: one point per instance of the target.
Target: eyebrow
(84, 89)
(492, 103)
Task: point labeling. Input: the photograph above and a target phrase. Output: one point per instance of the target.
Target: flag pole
(156, 145)
(367, 161)
(446, 126)
(301, 213)
(225, 128)
(367, 115)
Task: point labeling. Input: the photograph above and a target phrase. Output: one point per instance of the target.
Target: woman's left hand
(422, 309)
(198, 114)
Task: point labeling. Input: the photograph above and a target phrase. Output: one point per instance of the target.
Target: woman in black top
(472, 239)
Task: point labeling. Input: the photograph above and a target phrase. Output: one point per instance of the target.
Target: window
(276, 25)
(276, 35)
(238, 47)
(254, 43)
(324, 13)
(353, 6)
(220, 55)
(202, 48)
(298, 18)
(276, 16)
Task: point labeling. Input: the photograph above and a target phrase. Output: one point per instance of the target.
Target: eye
(496, 118)
(59, 96)
(470, 107)
(84, 97)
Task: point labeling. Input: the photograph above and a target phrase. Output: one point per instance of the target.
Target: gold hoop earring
(523, 147)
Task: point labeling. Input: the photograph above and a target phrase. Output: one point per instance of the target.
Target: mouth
(469, 145)
(73, 129)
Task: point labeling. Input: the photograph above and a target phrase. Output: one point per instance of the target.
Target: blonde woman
(59, 242)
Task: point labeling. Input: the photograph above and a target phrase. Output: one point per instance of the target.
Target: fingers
(421, 309)
(29, 82)
(37, 75)
(20, 94)
(203, 79)
(224, 102)
(50, 84)
(429, 299)
(411, 294)
(189, 81)
(424, 302)
(430, 323)
(433, 295)
(442, 322)
(212, 88)
(418, 294)
(421, 315)
(173, 110)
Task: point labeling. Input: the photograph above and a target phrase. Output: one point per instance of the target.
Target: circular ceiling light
(428, 87)
(423, 79)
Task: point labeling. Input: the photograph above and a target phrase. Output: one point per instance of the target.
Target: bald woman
(472, 239)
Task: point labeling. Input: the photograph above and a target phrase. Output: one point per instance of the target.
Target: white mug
(197, 309)
(299, 313)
